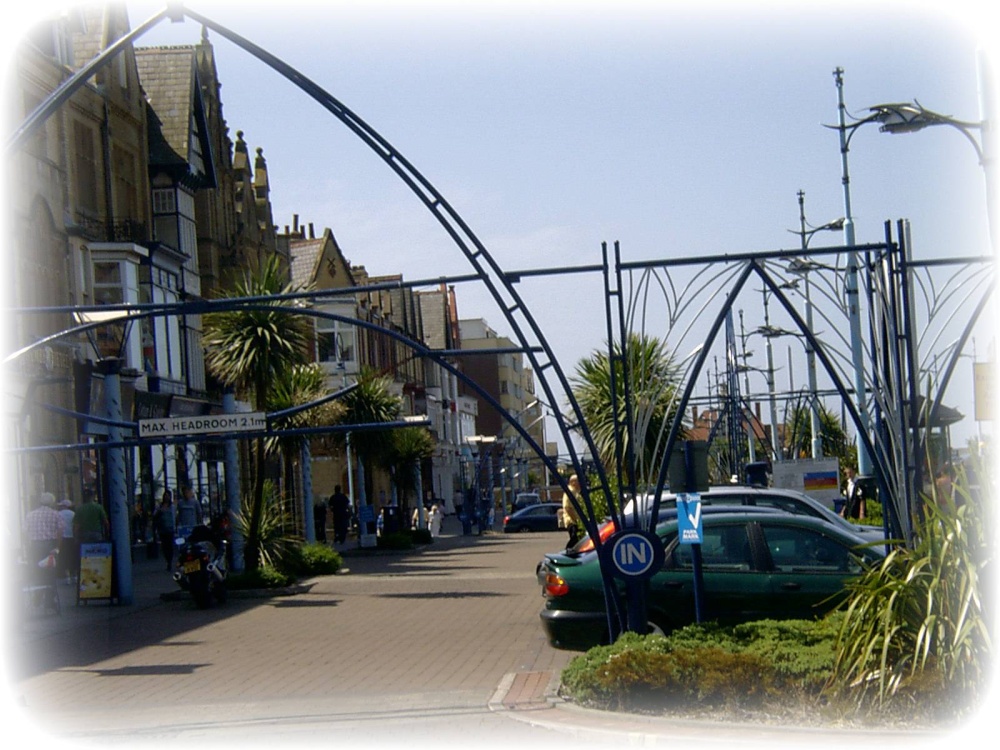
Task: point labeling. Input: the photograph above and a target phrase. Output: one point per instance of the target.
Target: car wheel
(524, 529)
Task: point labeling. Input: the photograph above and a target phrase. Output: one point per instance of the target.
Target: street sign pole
(636, 556)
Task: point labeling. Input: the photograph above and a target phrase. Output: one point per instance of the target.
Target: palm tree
(653, 381)
(798, 433)
(370, 402)
(249, 350)
(409, 447)
(302, 384)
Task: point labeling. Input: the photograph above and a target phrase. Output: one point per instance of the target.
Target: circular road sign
(636, 554)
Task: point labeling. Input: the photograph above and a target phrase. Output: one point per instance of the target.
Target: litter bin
(390, 520)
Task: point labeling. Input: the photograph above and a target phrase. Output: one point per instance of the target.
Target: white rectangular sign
(201, 425)
(817, 477)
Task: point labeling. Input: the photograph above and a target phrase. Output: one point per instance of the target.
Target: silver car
(788, 501)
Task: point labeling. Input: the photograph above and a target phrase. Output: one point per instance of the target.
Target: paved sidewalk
(527, 696)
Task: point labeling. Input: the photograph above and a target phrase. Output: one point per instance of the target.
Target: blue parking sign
(636, 554)
(689, 518)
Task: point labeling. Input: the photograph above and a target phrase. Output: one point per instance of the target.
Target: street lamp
(109, 341)
(851, 284)
(768, 332)
(912, 117)
(905, 118)
(804, 266)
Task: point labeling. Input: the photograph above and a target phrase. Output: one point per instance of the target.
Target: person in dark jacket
(340, 506)
(164, 525)
(319, 521)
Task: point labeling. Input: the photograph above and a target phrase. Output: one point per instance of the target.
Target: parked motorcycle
(201, 565)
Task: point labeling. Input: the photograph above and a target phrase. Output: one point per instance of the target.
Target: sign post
(689, 531)
(637, 556)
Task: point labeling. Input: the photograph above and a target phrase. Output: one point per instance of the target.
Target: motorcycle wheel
(200, 592)
(220, 592)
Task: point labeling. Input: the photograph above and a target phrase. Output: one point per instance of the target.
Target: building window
(161, 338)
(336, 339)
(116, 282)
(126, 185)
(164, 201)
(85, 172)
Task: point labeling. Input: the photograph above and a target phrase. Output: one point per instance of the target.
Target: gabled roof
(170, 79)
(306, 255)
(317, 261)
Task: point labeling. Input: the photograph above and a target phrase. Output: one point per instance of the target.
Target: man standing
(43, 529)
(90, 522)
(340, 506)
(188, 511)
(319, 520)
(67, 549)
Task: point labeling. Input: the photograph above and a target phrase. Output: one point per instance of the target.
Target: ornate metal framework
(680, 310)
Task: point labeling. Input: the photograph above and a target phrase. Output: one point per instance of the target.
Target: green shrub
(642, 674)
(274, 541)
(743, 667)
(264, 577)
(313, 559)
(916, 629)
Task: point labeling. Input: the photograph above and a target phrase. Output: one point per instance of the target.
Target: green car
(755, 566)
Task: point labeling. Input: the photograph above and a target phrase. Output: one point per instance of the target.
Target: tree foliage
(798, 434)
(251, 349)
(918, 626)
(653, 381)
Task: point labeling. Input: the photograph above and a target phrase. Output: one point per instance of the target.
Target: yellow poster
(984, 373)
(95, 571)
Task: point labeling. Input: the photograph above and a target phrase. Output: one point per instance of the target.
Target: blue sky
(678, 129)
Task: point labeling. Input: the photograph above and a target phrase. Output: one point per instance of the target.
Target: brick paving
(441, 627)
(440, 647)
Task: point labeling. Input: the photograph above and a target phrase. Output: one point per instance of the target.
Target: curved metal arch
(949, 369)
(753, 266)
(462, 235)
(455, 226)
(204, 307)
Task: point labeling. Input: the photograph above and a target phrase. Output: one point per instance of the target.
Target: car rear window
(723, 548)
(794, 549)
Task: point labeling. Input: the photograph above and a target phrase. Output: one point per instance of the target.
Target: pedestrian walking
(569, 512)
(164, 526)
(434, 520)
(67, 548)
(319, 521)
(188, 513)
(340, 506)
(43, 529)
(90, 522)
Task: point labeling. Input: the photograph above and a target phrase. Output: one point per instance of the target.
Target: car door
(541, 517)
(808, 569)
(733, 586)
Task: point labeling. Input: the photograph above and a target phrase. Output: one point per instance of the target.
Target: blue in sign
(635, 554)
(689, 518)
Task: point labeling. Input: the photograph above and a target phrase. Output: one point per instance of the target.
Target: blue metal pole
(115, 466)
(233, 494)
(853, 298)
(308, 516)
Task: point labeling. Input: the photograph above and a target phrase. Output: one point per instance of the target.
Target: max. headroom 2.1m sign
(202, 425)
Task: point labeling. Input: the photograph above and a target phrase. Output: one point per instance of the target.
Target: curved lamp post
(803, 266)
(905, 118)
(912, 117)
